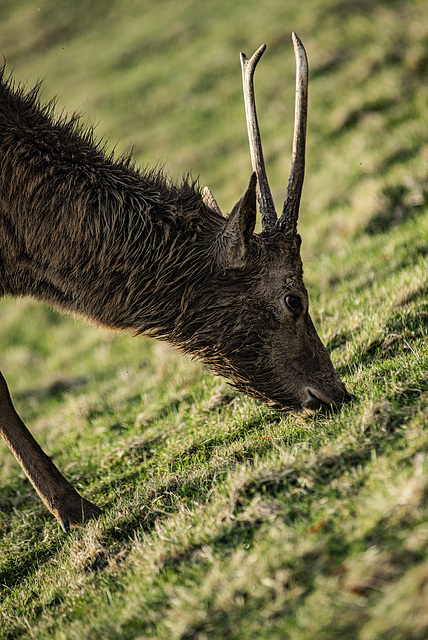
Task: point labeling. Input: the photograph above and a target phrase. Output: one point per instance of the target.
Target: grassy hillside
(222, 518)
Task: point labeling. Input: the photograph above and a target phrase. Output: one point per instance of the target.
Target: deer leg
(60, 497)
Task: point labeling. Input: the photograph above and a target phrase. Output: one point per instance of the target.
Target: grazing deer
(127, 249)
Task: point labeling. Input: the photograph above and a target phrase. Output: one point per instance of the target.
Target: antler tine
(264, 195)
(290, 211)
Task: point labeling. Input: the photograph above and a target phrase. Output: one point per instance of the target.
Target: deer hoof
(76, 513)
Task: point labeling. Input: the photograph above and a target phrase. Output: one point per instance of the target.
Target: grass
(222, 518)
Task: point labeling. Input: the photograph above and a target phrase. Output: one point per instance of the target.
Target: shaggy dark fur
(128, 250)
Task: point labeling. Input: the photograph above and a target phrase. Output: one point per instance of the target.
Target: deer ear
(238, 230)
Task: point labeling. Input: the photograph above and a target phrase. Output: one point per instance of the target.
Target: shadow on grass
(276, 480)
(54, 390)
(17, 570)
(398, 206)
(397, 336)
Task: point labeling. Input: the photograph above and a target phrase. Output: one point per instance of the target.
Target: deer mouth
(314, 402)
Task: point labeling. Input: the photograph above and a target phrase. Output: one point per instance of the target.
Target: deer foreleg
(56, 492)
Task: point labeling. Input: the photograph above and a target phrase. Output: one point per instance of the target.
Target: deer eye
(293, 303)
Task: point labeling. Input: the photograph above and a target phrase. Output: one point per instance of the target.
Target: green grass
(222, 518)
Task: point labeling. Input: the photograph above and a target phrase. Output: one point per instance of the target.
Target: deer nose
(315, 401)
(348, 397)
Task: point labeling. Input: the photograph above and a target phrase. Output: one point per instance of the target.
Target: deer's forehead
(281, 274)
(284, 262)
(278, 264)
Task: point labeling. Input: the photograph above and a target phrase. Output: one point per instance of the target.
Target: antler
(264, 195)
(288, 221)
(290, 211)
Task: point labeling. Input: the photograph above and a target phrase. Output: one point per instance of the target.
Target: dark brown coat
(128, 250)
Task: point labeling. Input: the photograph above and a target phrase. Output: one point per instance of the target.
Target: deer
(129, 249)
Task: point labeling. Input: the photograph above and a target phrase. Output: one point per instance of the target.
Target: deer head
(271, 349)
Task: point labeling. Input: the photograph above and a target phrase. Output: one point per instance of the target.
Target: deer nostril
(348, 397)
(313, 403)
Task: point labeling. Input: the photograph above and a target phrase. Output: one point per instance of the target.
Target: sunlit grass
(222, 518)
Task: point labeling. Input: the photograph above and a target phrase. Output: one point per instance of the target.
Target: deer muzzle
(316, 400)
